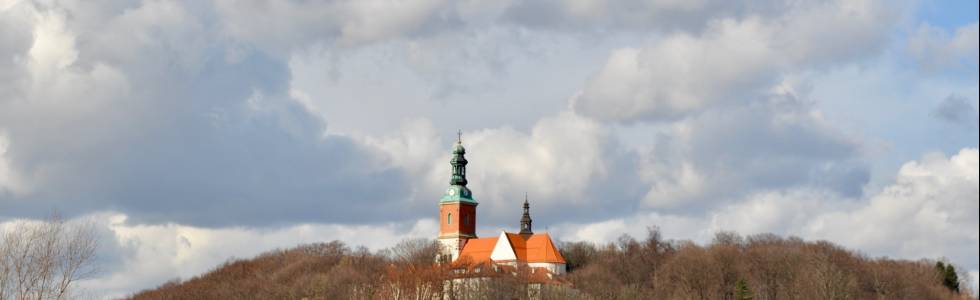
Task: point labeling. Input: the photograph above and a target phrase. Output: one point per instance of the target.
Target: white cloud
(8, 180)
(727, 153)
(781, 212)
(375, 20)
(681, 73)
(152, 107)
(732, 61)
(974, 280)
(133, 257)
(555, 162)
(929, 211)
(935, 49)
(671, 226)
(53, 48)
(558, 162)
(152, 77)
(281, 26)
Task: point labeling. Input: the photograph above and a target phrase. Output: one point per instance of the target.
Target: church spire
(457, 190)
(458, 162)
(526, 218)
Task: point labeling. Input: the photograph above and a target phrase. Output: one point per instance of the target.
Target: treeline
(730, 267)
(335, 271)
(763, 266)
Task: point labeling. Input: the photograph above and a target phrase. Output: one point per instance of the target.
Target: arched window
(449, 218)
(466, 219)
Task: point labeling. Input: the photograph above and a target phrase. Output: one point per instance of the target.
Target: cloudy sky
(196, 131)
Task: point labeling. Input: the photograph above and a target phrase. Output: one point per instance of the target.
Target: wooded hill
(761, 266)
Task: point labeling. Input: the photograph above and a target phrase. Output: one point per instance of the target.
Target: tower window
(449, 218)
(466, 219)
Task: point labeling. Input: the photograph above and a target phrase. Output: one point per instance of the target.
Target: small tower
(526, 218)
(457, 209)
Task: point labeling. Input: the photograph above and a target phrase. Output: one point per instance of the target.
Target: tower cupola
(526, 218)
(457, 191)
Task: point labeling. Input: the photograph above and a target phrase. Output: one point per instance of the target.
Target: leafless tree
(414, 251)
(42, 259)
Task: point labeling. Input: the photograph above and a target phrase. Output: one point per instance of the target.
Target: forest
(762, 266)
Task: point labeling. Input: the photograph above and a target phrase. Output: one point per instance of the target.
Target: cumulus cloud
(564, 162)
(172, 134)
(929, 211)
(278, 26)
(8, 183)
(133, 256)
(734, 60)
(217, 129)
(724, 154)
(678, 75)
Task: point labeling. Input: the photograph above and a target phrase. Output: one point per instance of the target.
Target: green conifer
(742, 291)
(948, 275)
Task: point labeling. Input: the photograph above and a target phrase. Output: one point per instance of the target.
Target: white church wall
(452, 247)
(556, 268)
(503, 250)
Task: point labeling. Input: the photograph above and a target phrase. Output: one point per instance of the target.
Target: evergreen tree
(948, 275)
(742, 291)
(950, 279)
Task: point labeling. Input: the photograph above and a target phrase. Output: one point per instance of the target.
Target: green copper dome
(457, 191)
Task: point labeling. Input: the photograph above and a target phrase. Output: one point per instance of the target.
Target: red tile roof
(535, 248)
(477, 250)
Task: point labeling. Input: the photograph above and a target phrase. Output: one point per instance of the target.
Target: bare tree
(414, 251)
(42, 259)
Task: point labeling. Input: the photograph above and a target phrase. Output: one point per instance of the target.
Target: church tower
(457, 209)
(526, 218)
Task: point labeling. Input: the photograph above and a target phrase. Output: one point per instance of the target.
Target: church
(457, 230)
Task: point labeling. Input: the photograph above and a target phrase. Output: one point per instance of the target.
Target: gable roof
(535, 248)
(477, 250)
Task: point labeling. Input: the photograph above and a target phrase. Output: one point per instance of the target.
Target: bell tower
(526, 218)
(457, 209)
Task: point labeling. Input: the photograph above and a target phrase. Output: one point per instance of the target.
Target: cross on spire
(459, 136)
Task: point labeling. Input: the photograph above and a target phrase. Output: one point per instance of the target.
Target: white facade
(503, 253)
(503, 250)
(554, 268)
(452, 246)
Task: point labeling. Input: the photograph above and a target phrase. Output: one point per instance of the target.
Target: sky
(193, 132)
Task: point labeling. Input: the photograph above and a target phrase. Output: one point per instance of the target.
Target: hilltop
(763, 266)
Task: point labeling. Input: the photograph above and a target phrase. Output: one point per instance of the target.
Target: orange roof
(477, 250)
(535, 248)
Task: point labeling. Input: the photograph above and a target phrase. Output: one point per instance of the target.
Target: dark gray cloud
(592, 17)
(956, 109)
(168, 130)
